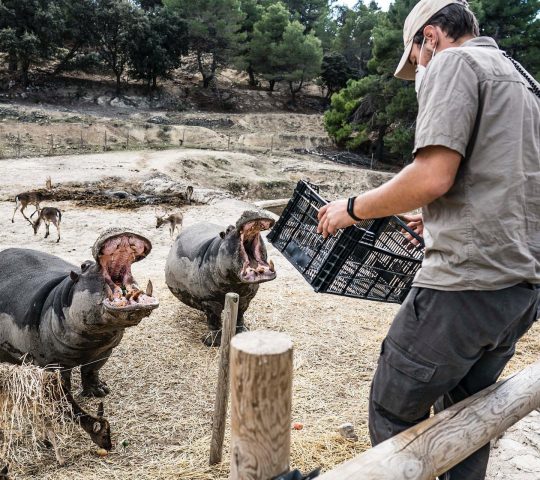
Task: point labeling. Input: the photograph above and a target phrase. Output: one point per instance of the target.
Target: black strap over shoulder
(526, 75)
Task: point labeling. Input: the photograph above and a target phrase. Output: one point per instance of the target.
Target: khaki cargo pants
(441, 348)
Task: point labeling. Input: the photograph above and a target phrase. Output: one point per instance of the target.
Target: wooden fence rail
(437, 444)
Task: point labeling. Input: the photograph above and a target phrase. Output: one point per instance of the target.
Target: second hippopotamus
(54, 313)
(208, 261)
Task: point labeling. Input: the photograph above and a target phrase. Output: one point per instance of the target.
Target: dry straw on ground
(32, 408)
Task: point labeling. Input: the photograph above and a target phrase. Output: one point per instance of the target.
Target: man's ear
(432, 35)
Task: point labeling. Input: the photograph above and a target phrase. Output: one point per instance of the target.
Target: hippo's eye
(85, 266)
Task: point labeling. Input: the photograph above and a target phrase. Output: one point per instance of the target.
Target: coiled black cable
(524, 74)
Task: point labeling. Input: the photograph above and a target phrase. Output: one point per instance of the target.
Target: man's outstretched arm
(429, 177)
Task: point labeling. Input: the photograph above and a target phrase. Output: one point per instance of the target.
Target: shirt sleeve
(447, 104)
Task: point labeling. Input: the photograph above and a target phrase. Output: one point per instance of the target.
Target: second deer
(24, 199)
(174, 220)
(48, 215)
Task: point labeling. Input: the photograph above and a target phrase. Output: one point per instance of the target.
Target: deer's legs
(92, 385)
(46, 228)
(52, 439)
(58, 230)
(22, 213)
(17, 205)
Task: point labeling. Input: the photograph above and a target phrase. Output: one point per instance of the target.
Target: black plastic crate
(371, 260)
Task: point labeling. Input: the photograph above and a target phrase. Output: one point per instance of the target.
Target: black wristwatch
(350, 209)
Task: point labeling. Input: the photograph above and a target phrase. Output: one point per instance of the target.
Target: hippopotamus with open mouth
(54, 313)
(207, 261)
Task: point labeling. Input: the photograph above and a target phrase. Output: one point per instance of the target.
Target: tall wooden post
(261, 398)
(230, 314)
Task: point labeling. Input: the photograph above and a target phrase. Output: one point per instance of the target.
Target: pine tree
(30, 31)
(214, 31)
(156, 44)
(377, 113)
(334, 72)
(267, 35)
(354, 36)
(252, 10)
(300, 56)
(515, 26)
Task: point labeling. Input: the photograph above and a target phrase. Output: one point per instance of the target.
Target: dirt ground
(162, 377)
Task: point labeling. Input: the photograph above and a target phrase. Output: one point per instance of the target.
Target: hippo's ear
(74, 276)
(100, 410)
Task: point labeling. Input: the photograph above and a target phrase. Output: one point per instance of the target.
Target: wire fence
(34, 139)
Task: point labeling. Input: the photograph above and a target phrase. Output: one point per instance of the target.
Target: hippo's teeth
(109, 292)
(260, 269)
(136, 295)
(271, 265)
(149, 288)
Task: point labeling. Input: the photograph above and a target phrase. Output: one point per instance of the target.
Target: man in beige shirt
(476, 175)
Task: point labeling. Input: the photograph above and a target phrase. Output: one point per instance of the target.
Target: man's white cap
(419, 16)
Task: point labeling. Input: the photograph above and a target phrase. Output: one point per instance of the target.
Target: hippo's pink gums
(115, 258)
(255, 268)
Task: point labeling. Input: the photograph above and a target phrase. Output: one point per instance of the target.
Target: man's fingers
(322, 211)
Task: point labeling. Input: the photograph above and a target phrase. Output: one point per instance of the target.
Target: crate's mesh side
(298, 239)
(379, 276)
(393, 240)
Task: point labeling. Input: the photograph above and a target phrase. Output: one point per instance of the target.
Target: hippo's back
(194, 241)
(26, 278)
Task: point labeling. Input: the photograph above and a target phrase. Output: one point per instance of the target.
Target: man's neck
(449, 43)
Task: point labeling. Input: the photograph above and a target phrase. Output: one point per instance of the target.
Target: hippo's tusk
(271, 265)
(109, 292)
(149, 288)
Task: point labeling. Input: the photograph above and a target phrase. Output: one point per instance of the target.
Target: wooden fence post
(230, 314)
(441, 442)
(261, 397)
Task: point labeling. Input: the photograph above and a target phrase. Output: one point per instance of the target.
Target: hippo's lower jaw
(127, 316)
(124, 297)
(255, 268)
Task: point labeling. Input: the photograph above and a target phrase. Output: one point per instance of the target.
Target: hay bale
(33, 407)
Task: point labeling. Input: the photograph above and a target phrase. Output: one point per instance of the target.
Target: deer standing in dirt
(48, 215)
(24, 199)
(174, 220)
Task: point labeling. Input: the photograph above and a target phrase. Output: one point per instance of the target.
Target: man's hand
(332, 217)
(416, 224)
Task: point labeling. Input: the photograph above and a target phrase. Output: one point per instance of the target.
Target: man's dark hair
(456, 20)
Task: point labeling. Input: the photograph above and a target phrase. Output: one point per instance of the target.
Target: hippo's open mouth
(255, 267)
(116, 255)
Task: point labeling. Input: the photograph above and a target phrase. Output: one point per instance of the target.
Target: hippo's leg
(66, 379)
(213, 319)
(91, 384)
(242, 307)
